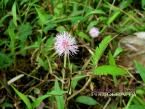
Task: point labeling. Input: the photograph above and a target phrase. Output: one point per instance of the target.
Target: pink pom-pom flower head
(94, 32)
(65, 44)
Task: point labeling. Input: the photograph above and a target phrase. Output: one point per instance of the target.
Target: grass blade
(24, 98)
(59, 98)
(14, 13)
(86, 100)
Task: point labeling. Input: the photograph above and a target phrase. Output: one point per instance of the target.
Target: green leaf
(61, 29)
(109, 70)
(24, 31)
(117, 52)
(49, 43)
(35, 44)
(42, 63)
(100, 50)
(140, 91)
(3, 42)
(76, 19)
(141, 70)
(3, 18)
(56, 93)
(12, 35)
(111, 59)
(24, 98)
(7, 104)
(76, 79)
(125, 3)
(59, 98)
(14, 13)
(43, 17)
(86, 100)
(58, 9)
(5, 60)
(112, 62)
(83, 36)
(92, 24)
(113, 17)
(38, 101)
(139, 100)
(5, 2)
(143, 4)
(96, 11)
(49, 26)
(136, 106)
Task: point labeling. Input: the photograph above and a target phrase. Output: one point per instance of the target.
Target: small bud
(94, 32)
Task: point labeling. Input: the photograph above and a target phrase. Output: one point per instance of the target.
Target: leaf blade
(86, 100)
(23, 97)
(100, 50)
(141, 70)
(109, 70)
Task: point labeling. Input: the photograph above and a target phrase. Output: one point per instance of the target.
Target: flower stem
(63, 77)
(65, 59)
(63, 70)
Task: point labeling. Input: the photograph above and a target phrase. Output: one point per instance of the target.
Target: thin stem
(115, 80)
(50, 68)
(107, 103)
(92, 43)
(63, 78)
(129, 102)
(99, 4)
(63, 70)
(70, 78)
(65, 59)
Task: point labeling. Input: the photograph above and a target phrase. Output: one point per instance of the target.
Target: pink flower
(94, 32)
(65, 44)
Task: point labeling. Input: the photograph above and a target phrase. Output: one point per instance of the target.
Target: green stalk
(63, 70)
(65, 59)
(129, 102)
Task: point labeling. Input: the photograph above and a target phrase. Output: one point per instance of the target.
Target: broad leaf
(109, 70)
(5, 60)
(24, 31)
